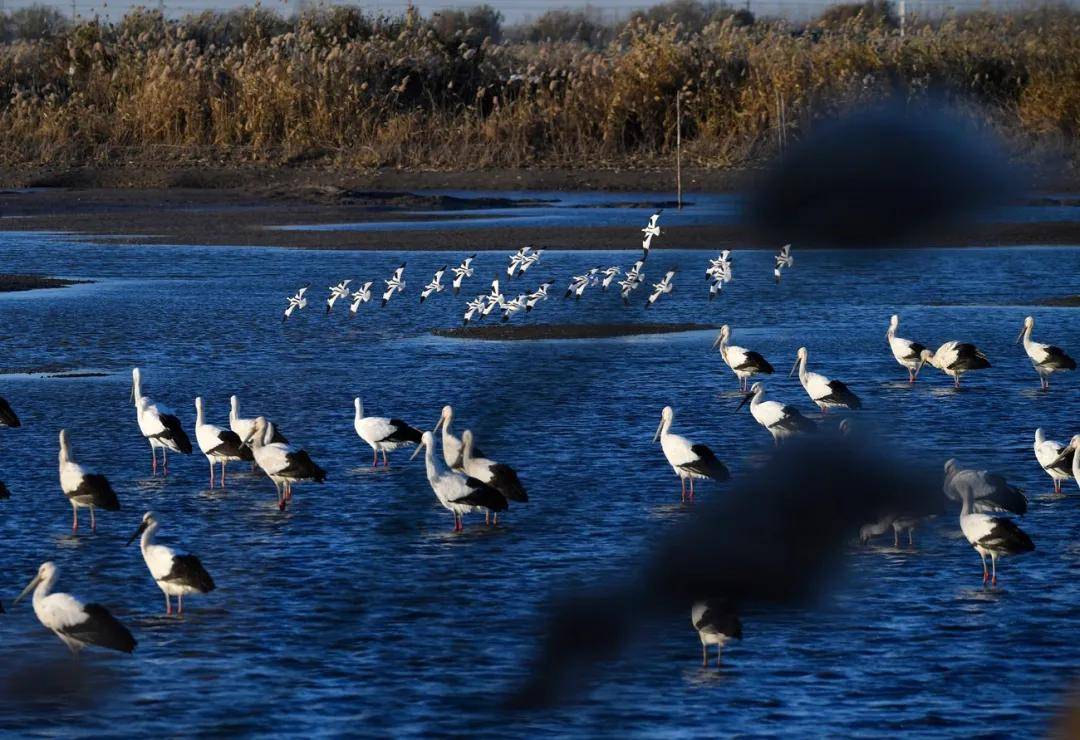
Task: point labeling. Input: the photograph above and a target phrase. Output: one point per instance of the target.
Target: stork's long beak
(922, 363)
(716, 342)
(657, 435)
(29, 587)
(794, 368)
(416, 451)
(438, 424)
(139, 531)
(133, 393)
(1020, 336)
(744, 400)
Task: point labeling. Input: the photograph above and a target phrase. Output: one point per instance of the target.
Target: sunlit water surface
(358, 611)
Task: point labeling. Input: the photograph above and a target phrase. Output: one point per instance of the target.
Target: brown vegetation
(456, 90)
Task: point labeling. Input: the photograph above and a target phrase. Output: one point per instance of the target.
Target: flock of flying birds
(718, 273)
(466, 481)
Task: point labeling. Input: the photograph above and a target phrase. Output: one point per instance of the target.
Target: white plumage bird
(341, 290)
(158, 424)
(780, 420)
(1045, 358)
(462, 271)
(296, 302)
(284, 463)
(474, 308)
(460, 494)
(652, 229)
(530, 259)
(954, 359)
(610, 274)
(743, 362)
(84, 490)
(716, 624)
(395, 284)
(540, 294)
(218, 445)
(825, 393)
(363, 295)
(435, 286)
(664, 286)
(632, 281)
(907, 352)
(689, 461)
(77, 624)
(783, 259)
(382, 434)
(992, 535)
(1053, 459)
(176, 573)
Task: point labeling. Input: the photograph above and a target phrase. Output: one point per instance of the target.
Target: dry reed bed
(360, 92)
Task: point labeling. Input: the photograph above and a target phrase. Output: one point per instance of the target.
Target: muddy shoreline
(524, 332)
(240, 208)
(10, 283)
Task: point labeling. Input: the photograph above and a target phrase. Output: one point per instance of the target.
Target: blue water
(358, 610)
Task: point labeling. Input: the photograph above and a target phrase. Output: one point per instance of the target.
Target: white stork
(990, 493)
(176, 573)
(1046, 358)
(499, 476)
(1065, 464)
(382, 434)
(363, 295)
(992, 535)
(907, 352)
(662, 287)
(716, 624)
(825, 393)
(296, 302)
(781, 421)
(77, 624)
(83, 489)
(954, 359)
(395, 284)
(341, 290)
(744, 363)
(458, 493)
(158, 424)
(218, 445)
(282, 462)
(462, 271)
(651, 229)
(435, 286)
(451, 445)
(688, 460)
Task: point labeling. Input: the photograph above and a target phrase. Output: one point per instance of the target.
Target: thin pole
(678, 148)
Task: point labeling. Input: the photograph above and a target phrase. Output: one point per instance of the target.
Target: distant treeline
(459, 89)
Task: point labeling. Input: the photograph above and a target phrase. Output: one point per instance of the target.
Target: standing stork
(75, 623)
(451, 445)
(716, 624)
(8, 417)
(341, 290)
(660, 288)
(990, 493)
(825, 393)
(780, 420)
(282, 462)
(907, 352)
(382, 434)
(992, 535)
(435, 286)
(1046, 358)
(499, 476)
(743, 362)
(176, 574)
(158, 424)
(688, 460)
(1053, 459)
(218, 445)
(395, 284)
(462, 271)
(458, 493)
(296, 302)
(363, 295)
(954, 359)
(651, 229)
(83, 489)
(1071, 456)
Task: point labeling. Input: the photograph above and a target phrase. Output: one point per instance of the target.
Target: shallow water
(358, 611)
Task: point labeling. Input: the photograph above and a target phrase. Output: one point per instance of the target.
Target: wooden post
(678, 148)
(903, 17)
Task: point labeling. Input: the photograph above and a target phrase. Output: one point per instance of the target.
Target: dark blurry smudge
(776, 538)
(890, 175)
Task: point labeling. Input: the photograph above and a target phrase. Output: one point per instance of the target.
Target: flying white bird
(395, 284)
(462, 271)
(650, 230)
(577, 286)
(609, 275)
(512, 307)
(530, 259)
(783, 259)
(516, 260)
(297, 301)
(360, 296)
(540, 294)
(75, 623)
(660, 288)
(176, 573)
(435, 286)
(475, 307)
(494, 298)
(1046, 358)
(341, 290)
(633, 280)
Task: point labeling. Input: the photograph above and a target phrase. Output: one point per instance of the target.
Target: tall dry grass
(354, 90)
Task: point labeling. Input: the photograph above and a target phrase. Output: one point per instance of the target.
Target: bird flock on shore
(496, 299)
(467, 481)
